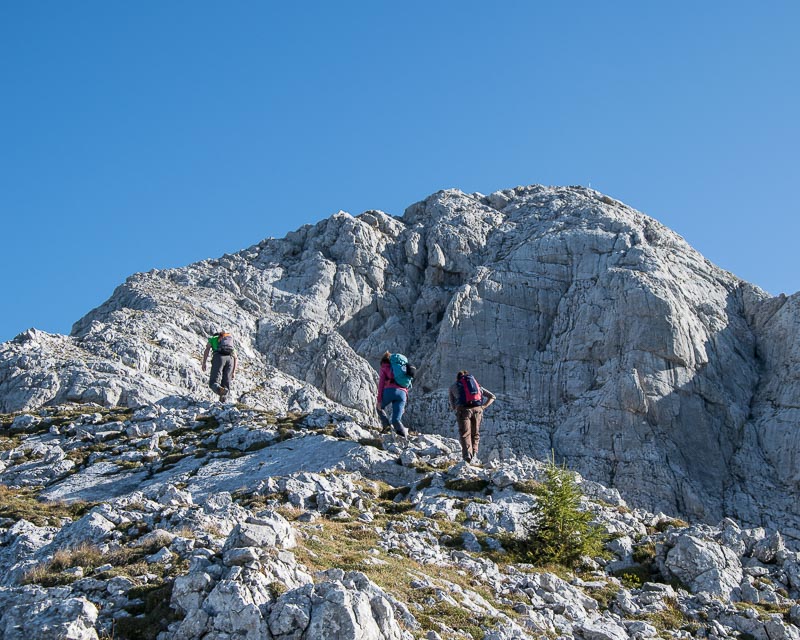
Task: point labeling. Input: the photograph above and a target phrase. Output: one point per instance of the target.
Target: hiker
(223, 363)
(391, 392)
(468, 400)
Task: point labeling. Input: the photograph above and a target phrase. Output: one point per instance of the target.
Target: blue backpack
(402, 372)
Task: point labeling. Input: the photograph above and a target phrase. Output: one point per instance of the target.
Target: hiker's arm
(381, 385)
(233, 369)
(205, 355)
(451, 399)
(489, 397)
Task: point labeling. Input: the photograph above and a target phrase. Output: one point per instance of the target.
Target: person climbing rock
(468, 400)
(394, 382)
(223, 363)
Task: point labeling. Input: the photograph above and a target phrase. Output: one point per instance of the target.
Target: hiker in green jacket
(223, 363)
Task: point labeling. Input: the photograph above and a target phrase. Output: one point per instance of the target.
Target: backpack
(402, 372)
(469, 391)
(225, 344)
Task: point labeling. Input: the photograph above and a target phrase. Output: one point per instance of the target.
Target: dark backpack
(469, 391)
(225, 344)
(402, 372)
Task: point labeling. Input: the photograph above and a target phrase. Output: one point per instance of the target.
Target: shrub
(563, 533)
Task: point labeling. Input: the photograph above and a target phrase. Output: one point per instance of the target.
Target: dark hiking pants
(221, 367)
(469, 430)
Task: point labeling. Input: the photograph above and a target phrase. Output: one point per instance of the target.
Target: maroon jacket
(386, 381)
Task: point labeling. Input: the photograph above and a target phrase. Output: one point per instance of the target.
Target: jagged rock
(704, 566)
(48, 616)
(267, 530)
(601, 629)
(348, 603)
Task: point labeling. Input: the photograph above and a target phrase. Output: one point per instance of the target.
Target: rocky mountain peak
(606, 337)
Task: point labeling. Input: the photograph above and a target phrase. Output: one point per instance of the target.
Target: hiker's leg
(477, 416)
(387, 408)
(397, 398)
(385, 422)
(398, 407)
(462, 419)
(227, 367)
(215, 377)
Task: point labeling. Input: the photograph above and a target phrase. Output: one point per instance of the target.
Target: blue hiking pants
(397, 398)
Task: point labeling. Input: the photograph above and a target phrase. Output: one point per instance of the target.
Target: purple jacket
(386, 381)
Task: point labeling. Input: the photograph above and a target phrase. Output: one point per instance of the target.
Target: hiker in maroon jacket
(391, 393)
(468, 400)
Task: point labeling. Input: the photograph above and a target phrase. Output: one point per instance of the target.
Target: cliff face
(606, 337)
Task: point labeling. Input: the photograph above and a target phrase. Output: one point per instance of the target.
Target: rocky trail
(184, 519)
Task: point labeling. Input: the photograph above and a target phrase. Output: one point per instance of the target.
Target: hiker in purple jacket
(391, 393)
(468, 400)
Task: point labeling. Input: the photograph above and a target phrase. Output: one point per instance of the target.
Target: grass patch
(169, 461)
(765, 609)
(128, 561)
(277, 589)
(467, 485)
(398, 507)
(605, 595)
(23, 504)
(347, 545)
(285, 433)
(454, 617)
(6, 443)
(634, 577)
(645, 553)
(663, 525)
(671, 618)
(150, 616)
(371, 442)
(423, 467)
(392, 492)
(527, 486)
(129, 464)
(206, 423)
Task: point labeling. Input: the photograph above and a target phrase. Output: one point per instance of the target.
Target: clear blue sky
(140, 135)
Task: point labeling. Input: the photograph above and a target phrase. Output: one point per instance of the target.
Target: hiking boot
(385, 422)
(222, 391)
(400, 429)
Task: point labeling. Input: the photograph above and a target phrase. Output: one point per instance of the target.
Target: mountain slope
(186, 519)
(607, 338)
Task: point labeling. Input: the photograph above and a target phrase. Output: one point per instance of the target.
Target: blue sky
(154, 134)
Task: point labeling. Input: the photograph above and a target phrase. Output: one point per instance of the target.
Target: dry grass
(347, 545)
(128, 561)
(23, 504)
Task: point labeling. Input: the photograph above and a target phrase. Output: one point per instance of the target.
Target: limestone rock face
(605, 336)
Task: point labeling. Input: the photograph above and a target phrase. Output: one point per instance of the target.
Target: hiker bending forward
(223, 363)
(468, 404)
(391, 393)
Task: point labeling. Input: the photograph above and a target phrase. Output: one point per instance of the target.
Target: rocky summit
(132, 504)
